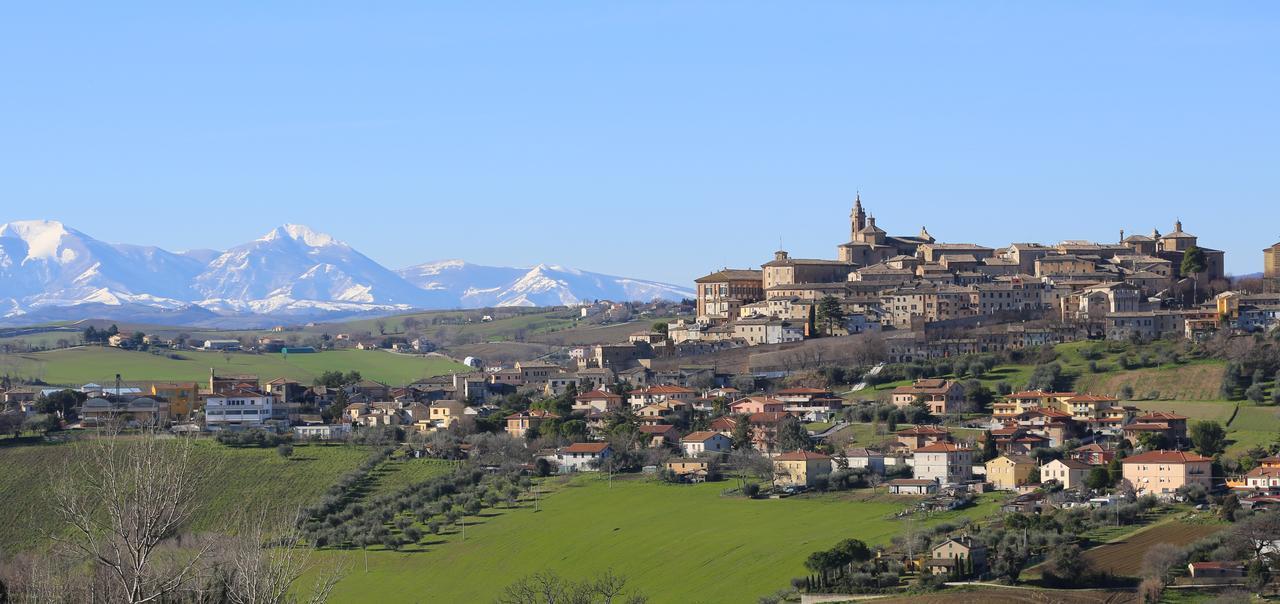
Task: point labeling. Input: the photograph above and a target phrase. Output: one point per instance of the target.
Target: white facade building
(238, 409)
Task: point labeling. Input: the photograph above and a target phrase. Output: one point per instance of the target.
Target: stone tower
(859, 217)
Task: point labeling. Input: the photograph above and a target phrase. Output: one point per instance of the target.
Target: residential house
(1070, 473)
(913, 438)
(947, 463)
(757, 404)
(446, 414)
(183, 397)
(580, 457)
(764, 431)
(600, 400)
(1162, 473)
(661, 412)
(1263, 479)
(519, 424)
(1009, 472)
(322, 432)
(723, 425)
(659, 435)
(912, 486)
(872, 461)
(800, 468)
(1171, 425)
(660, 393)
(535, 375)
(958, 556)
(697, 443)
(1093, 454)
(238, 408)
(693, 470)
(939, 396)
(131, 412)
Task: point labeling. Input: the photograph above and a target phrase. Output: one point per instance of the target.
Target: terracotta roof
(1091, 448)
(698, 437)
(801, 456)
(771, 417)
(1176, 457)
(1159, 416)
(803, 391)
(597, 394)
(723, 423)
(585, 448)
(657, 429)
(942, 448)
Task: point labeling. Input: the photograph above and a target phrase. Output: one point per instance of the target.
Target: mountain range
(49, 271)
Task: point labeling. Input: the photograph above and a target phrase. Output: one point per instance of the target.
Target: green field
(1252, 425)
(76, 366)
(1195, 379)
(237, 479)
(676, 543)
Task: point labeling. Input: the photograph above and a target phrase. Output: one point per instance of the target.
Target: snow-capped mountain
(45, 263)
(542, 285)
(49, 271)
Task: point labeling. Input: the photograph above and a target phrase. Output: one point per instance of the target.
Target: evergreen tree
(989, 448)
(1193, 263)
(830, 313)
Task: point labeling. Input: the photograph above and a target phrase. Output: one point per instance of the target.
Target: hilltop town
(1053, 389)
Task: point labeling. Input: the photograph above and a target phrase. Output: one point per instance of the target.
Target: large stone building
(723, 292)
(1271, 267)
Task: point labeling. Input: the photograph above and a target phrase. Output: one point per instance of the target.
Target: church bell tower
(858, 217)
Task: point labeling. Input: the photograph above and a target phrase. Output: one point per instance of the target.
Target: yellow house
(800, 468)
(444, 414)
(1009, 472)
(183, 397)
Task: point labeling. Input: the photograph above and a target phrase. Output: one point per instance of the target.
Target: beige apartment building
(1009, 472)
(1162, 473)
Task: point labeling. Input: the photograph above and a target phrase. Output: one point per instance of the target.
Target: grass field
(676, 543)
(1190, 381)
(237, 480)
(76, 366)
(1251, 426)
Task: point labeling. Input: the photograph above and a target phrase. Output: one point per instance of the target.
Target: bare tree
(547, 587)
(120, 501)
(263, 565)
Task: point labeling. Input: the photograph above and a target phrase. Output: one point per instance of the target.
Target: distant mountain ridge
(49, 271)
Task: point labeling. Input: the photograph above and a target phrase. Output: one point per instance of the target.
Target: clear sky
(650, 139)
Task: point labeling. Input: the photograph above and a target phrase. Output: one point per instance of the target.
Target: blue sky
(657, 140)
